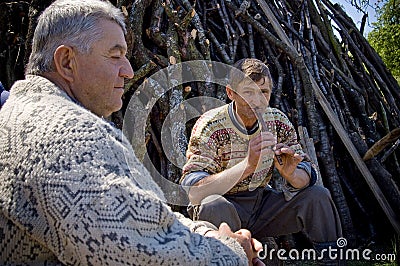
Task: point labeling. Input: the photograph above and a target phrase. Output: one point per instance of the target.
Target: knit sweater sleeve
(78, 190)
(126, 226)
(121, 218)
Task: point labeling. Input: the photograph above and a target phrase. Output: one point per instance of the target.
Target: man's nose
(258, 100)
(126, 70)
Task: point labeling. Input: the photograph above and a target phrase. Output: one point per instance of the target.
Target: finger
(224, 229)
(279, 145)
(266, 135)
(267, 147)
(294, 157)
(244, 232)
(263, 146)
(298, 157)
(284, 150)
(245, 240)
(263, 137)
(257, 245)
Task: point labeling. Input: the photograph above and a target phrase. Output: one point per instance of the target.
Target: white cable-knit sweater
(72, 192)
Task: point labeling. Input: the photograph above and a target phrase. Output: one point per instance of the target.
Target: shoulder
(49, 116)
(211, 119)
(279, 116)
(275, 112)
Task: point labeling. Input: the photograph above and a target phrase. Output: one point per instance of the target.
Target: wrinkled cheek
(245, 103)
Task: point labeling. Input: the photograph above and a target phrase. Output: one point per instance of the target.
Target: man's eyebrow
(256, 89)
(252, 88)
(118, 47)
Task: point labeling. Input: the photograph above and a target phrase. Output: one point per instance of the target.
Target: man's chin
(114, 108)
(118, 107)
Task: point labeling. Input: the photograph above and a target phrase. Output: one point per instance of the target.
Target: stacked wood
(328, 80)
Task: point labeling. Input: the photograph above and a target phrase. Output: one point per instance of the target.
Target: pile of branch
(328, 80)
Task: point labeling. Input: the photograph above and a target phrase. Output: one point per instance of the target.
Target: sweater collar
(237, 124)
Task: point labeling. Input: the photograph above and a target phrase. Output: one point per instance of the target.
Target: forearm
(298, 179)
(144, 231)
(219, 183)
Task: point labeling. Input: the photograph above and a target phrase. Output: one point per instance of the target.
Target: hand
(290, 159)
(298, 178)
(259, 146)
(250, 245)
(254, 249)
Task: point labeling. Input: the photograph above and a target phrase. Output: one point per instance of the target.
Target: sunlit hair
(69, 22)
(249, 68)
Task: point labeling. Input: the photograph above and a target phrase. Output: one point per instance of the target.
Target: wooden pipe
(264, 127)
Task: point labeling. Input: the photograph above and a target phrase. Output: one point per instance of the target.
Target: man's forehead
(249, 83)
(112, 35)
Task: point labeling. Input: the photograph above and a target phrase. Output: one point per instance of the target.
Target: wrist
(289, 176)
(298, 179)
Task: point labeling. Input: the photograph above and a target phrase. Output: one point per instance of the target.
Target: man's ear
(64, 58)
(229, 92)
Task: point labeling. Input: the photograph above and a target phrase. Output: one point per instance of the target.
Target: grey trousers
(266, 213)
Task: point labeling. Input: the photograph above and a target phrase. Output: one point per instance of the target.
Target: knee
(217, 209)
(215, 202)
(317, 192)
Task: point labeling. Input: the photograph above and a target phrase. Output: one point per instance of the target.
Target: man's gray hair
(69, 22)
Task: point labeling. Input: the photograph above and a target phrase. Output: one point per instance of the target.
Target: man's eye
(247, 94)
(116, 56)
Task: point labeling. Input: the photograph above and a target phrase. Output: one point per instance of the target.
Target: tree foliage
(385, 37)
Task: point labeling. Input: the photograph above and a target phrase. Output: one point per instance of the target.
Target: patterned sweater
(72, 192)
(218, 142)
